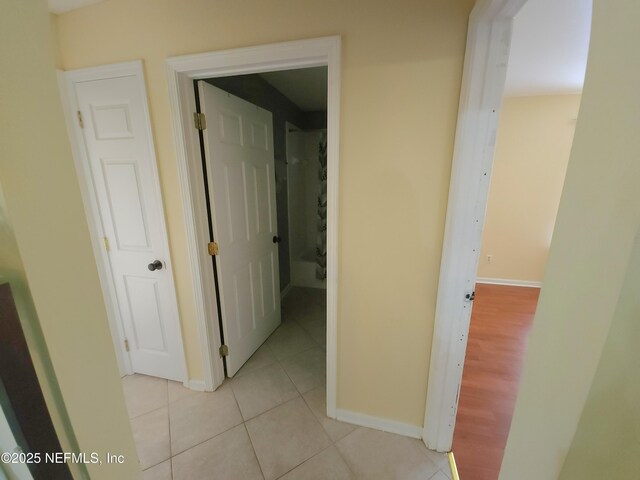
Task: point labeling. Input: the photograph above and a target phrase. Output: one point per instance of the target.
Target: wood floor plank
(500, 324)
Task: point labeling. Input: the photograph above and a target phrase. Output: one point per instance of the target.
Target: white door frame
(181, 72)
(67, 82)
(485, 69)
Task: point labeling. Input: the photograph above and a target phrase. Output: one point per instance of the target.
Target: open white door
(114, 123)
(238, 143)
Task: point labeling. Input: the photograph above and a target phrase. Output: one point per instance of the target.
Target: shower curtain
(321, 238)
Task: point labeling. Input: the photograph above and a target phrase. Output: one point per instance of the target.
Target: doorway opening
(182, 72)
(264, 166)
(524, 92)
(532, 151)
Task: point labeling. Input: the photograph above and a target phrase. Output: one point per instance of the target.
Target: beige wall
(532, 152)
(401, 71)
(597, 222)
(44, 242)
(607, 442)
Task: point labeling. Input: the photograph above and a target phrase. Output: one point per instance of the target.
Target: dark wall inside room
(255, 89)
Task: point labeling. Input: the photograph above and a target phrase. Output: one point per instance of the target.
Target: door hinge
(212, 247)
(470, 297)
(126, 344)
(199, 121)
(224, 350)
(107, 247)
(80, 121)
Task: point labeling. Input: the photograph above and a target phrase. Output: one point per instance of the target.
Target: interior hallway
(500, 324)
(269, 421)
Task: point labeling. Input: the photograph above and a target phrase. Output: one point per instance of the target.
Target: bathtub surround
(321, 237)
(307, 180)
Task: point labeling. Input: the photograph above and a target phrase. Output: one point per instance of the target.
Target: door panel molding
(181, 72)
(117, 116)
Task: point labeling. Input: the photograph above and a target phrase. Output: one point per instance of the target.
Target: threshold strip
(452, 465)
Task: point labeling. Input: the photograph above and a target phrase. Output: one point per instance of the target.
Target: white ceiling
(306, 87)
(61, 6)
(549, 47)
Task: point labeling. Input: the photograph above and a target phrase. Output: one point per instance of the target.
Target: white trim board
(509, 282)
(378, 423)
(181, 72)
(482, 89)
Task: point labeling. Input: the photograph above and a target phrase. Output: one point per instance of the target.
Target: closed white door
(239, 156)
(115, 125)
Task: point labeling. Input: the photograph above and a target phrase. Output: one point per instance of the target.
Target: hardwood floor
(500, 323)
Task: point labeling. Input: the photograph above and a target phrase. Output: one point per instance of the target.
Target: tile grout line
(165, 405)
(317, 419)
(342, 456)
(279, 363)
(210, 438)
(253, 449)
(169, 421)
(146, 413)
(275, 406)
(172, 455)
(153, 409)
(204, 441)
(300, 395)
(308, 459)
(244, 424)
(332, 443)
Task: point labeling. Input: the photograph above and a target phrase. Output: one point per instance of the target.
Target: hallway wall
(401, 70)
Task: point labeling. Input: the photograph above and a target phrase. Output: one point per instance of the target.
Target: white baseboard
(509, 282)
(197, 385)
(286, 291)
(377, 423)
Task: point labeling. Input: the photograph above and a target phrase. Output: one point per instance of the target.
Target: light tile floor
(269, 421)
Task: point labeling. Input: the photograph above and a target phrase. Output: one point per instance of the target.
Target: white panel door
(241, 177)
(122, 162)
